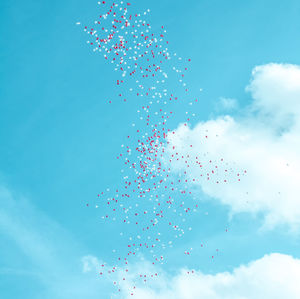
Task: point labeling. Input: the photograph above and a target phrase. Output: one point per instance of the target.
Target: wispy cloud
(54, 257)
(226, 104)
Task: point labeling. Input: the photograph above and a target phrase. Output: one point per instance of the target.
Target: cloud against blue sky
(59, 138)
(263, 140)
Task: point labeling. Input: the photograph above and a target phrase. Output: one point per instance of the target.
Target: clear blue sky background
(59, 138)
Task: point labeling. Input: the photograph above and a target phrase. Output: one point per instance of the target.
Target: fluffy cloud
(274, 276)
(250, 163)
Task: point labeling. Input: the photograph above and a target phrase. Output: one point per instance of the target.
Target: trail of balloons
(153, 203)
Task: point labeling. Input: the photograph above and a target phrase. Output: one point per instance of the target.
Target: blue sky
(59, 137)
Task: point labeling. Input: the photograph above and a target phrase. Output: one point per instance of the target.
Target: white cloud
(227, 104)
(276, 92)
(48, 252)
(265, 143)
(90, 263)
(274, 276)
(126, 278)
